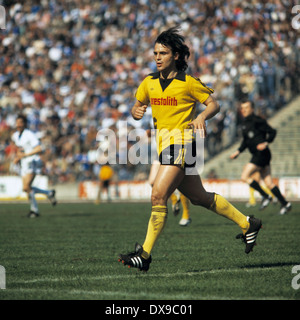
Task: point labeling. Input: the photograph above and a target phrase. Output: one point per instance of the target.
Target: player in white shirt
(30, 162)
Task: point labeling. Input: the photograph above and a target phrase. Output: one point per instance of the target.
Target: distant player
(257, 134)
(106, 173)
(30, 162)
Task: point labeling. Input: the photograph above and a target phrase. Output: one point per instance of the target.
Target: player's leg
(175, 200)
(252, 200)
(248, 171)
(166, 182)
(27, 180)
(49, 193)
(192, 187)
(185, 218)
(36, 168)
(98, 199)
(153, 172)
(267, 178)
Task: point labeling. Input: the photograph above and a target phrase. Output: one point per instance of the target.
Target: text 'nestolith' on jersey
(168, 101)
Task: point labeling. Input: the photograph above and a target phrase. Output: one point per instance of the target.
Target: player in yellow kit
(173, 95)
(105, 175)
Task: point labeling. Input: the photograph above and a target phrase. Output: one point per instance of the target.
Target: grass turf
(71, 252)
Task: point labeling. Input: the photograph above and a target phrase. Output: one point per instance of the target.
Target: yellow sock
(155, 226)
(185, 206)
(268, 191)
(222, 207)
(252, 198)
(173, 198)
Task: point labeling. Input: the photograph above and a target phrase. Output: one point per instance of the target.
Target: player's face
(20, 125)
(164, 58)
(246, 109)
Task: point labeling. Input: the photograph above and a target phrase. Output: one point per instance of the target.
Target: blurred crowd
(73, 67)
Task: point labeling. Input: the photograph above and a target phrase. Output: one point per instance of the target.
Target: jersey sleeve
(142, 92)
(13, 137)
(34, 141)
(199, 90)
(265, 127)
(243, 145)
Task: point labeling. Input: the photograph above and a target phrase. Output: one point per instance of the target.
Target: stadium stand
(73, 66)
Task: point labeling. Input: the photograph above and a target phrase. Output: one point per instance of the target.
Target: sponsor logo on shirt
(168, 101)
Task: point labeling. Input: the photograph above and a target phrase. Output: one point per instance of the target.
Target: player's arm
(212, 108)
(16, 152)
(242, 147)
(138, 110)
(21, 154)
(270, 134)
(36, 150)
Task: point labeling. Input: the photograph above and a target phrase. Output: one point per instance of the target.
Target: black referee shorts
(261, 158)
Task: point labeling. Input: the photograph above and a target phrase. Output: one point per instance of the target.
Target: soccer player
(172, 95)
(257, 134)
(30, 162)
(106, 173)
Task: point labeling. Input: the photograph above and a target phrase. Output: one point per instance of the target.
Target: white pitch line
(152, 275)
(146, 295)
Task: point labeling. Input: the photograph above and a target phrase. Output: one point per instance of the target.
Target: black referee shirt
(255, 130)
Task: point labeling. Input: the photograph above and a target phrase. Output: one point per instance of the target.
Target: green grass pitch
(71, 252)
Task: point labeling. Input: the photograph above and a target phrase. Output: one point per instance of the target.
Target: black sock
(257, 187)
(278, 195)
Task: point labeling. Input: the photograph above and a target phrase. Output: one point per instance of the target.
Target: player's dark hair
(23, 117)
(246, 99)
(172, 39)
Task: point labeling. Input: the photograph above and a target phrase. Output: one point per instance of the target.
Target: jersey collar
(180, 75)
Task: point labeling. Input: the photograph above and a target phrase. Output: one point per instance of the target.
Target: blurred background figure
(106, 174)
(28, 158)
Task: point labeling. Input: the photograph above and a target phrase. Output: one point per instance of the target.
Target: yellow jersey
(106, 173)
(173, 105)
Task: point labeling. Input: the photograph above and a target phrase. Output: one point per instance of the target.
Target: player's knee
(195, 202)
(158, 198)
(270, 185)
(244, 178)
(205, 200)
(26, 189)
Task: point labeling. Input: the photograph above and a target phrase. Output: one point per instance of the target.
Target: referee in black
(257, 134)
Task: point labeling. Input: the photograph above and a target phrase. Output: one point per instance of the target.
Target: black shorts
(261, 158)
(105, 183)
(183, 155)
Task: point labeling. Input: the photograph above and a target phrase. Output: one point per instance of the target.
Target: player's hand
(138, 111)
(20, 155)
(199, 125)
(16, 160)
(262, 146)
(235, 154)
